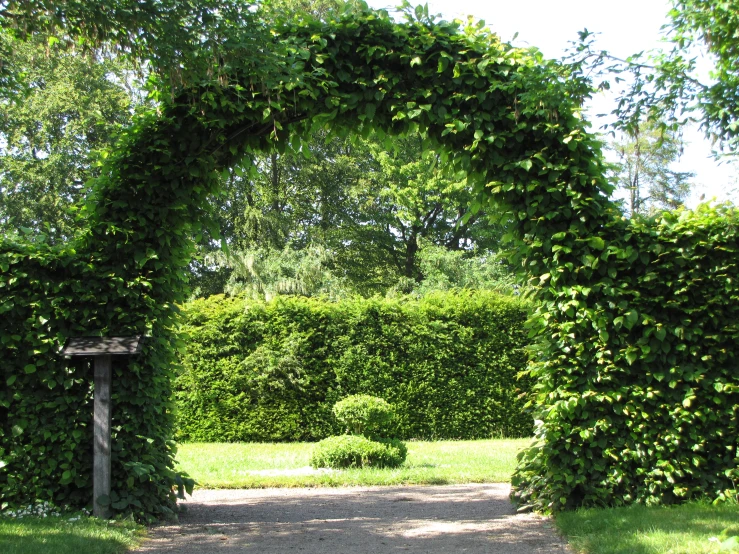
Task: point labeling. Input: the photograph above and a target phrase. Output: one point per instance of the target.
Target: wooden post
(101, 434)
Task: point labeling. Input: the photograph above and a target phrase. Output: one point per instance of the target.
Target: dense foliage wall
(637, 370)
(48, 294)
(272, 372)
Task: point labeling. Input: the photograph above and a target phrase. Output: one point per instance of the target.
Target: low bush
(345, 451)
(363, 414)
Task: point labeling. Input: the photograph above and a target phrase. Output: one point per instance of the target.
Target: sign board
(101, 346)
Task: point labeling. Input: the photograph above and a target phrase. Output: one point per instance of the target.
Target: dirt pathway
(379, 520)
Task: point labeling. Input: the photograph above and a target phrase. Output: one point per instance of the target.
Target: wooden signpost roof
(101, 346)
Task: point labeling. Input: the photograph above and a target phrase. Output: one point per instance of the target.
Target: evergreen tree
(644, 170)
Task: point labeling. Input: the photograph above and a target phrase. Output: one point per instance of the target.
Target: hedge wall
(639, 381)
(48, 294)
(272, 372)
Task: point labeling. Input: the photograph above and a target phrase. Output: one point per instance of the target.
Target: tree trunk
(411, 249)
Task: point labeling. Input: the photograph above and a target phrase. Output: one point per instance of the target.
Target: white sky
(624, 28)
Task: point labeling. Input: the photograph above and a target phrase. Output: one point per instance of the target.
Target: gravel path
(379, 520)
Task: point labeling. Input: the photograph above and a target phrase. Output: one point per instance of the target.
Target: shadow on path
(440, 519)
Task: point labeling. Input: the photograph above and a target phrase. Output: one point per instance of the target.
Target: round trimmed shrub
(363, 414)
(345, 451)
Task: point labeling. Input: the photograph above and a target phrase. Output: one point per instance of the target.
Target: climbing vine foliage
(633, 403)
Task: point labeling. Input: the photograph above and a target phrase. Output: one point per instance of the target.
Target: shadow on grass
(32, 535)
(690, 528)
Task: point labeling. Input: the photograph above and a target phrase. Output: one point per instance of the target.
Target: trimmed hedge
(362, 414)
(48, 294)
(448, 364)
(637, 374)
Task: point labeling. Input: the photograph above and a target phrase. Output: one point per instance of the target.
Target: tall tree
(644, 169)
(412, 199)
(304, 197)
(667, 86)
(71, 105)
(367, 204)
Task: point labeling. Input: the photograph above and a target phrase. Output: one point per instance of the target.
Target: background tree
(645, 157)
(668, 86)
(412, 199)
(178, 40)
(71, 106)
(445, 269)
(303, 198)
(263, 273)
(367, 203)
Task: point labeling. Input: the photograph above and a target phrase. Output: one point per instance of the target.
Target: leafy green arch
(504, 117)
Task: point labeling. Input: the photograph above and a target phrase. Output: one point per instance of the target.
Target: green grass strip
(261, 465)
(67, 535)
(692, 528)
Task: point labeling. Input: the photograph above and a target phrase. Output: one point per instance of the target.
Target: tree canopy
(367, 203)
(644, 169)
(68, 110)
(669, 86)
(176, 39)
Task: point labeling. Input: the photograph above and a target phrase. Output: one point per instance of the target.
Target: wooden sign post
(102, 349)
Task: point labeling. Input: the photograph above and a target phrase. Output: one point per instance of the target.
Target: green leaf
(597, 243)
(29, 368)
(120, 505)
(630, 319)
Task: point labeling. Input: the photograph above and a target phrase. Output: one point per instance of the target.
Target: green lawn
(429, 463)
(58, 535)
(694, 528)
